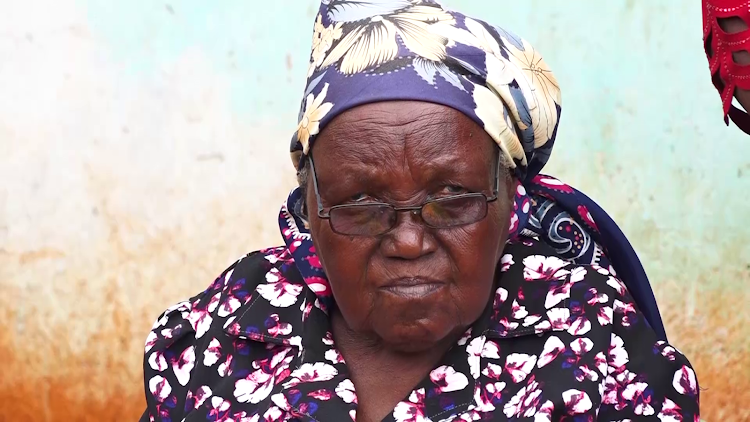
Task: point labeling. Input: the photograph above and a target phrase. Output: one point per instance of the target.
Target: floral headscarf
(366, 51)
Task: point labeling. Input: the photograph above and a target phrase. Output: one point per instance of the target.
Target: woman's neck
(382, 376)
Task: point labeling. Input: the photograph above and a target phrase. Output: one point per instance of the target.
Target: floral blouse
(557, 342)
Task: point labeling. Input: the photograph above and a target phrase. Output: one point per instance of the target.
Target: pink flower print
(580, 326)
(328, 339)
(604, 315)
(200, 396)
(322, 395)
(212, 354)
(581, 346)
(538, 267)
(501, 295)
(670, 412)
(614, 386)
(474, 351)
(277, 328)
(519, 312)
(278, 291)
(159, 388)
(584, 373)
(617, 285)
(557, 320)
(218, 409)
(225, 369)
(200, 319)
(257, 386)
(447, 379)
(334, 356)
(157, 361)
(641, 401)
(626, 309)
(412, 410)
(557, 294)
(544, 414)
(600, 361)
(485, 397)
(231, 303)
(684, 382)
(576, 402)
(243, 417)
(151, 341)
(596, 298)
(183, 308)
(525, 402)
(314, 261)
(531, 320)
(273, 414)
(306, 308)
(505, 326)
(345, 391)
(464, 338)
(669, 352)
(552, 349)
(311, 372)
(184, 365)
(506, 262)
(519, 366)
(618, 355)
(492, 371)
(577, 274)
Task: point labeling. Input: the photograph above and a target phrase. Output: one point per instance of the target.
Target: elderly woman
(429, 272)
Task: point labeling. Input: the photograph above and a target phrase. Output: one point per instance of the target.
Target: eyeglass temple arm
(321, 211)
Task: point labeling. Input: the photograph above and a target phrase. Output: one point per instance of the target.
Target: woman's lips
(413, 288)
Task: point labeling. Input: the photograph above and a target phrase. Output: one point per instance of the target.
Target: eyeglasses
(377, 218)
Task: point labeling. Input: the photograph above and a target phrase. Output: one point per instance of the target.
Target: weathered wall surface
(143, 148)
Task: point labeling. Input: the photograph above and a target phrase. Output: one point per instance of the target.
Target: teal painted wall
(143, 147)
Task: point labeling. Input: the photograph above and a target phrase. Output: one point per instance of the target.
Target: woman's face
(413, 286)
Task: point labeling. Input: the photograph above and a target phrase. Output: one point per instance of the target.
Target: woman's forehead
(403, 130)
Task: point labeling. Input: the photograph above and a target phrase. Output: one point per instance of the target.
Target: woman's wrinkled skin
(405, 153)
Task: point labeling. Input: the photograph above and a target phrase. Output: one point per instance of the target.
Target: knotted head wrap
(367, 51)
(371, 51)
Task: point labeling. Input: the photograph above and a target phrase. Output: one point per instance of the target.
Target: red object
(726, 74)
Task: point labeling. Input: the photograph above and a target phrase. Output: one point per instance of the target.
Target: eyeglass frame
(416, 210)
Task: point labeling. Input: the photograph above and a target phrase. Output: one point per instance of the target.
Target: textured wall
(143, 148)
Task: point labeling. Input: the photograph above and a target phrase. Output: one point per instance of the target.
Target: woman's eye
(453, 190)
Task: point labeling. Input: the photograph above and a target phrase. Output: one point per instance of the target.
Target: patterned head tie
(367, 51)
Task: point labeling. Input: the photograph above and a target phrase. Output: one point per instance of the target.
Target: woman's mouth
(412, 288)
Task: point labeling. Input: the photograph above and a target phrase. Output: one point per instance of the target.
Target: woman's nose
(409, 239)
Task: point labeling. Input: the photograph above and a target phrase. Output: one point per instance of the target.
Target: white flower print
(212, 353)
(519, 366)
(618, 355)
(279, 292)
(684, 381)
(600, 360)
(225, 369)
(345, 391)
(604, 315)
(635, 393)
(218, 406)
(474, 351)
(159, 388)
(279, 328)
(315, 111)
(586, 374)
(506, 262)
(580, 326)
(323, 38)
(334, 356)
(524, 403)
(519, 312)
(670, 412)
(201, 319)
(552, 349)
(581, 346)
(258, 385)
(184, 365)
(617, 285)
(577, 402)
(539, 267)
(447, 379)
(157, 361)
(492, 371)
(311, 372)
(201, 395)
(412, 410)
(557, 294)
(501, 295)
(544, 414)
(322, 395)
(151, 341)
